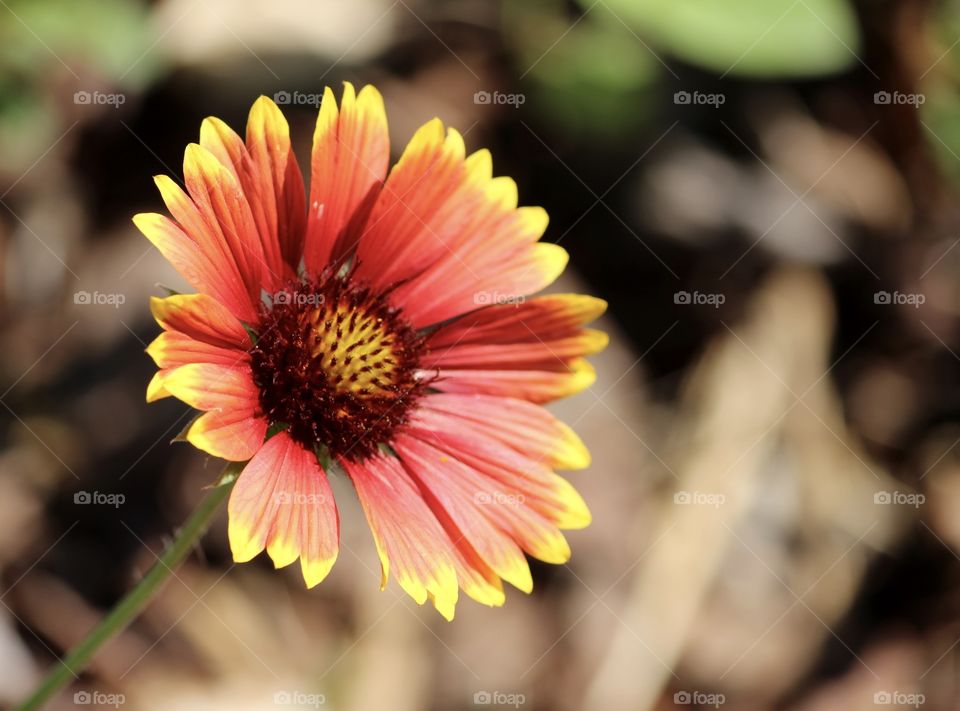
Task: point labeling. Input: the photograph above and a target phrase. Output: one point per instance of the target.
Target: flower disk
(337, 364)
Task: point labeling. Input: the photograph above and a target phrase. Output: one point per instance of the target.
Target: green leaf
(111, 43)
(580, 72)
(941, 127)
(760, 38)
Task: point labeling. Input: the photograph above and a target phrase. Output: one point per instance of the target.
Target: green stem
(134, 602)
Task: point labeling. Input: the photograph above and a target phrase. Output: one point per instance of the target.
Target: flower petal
(232, 428)
(155, 389)
(267, 170)
(542, 331)
(283, 502)
(407, 534)
(198, 330)
(537, 386)
(278, 174)
(527, 428)
(451, 235)
(234, 435)
(527, 479)
(461, 493)
(201, 317)
(220, 202)
(481, 504)
(495, 494)
(351, 152)
(416, 216)
(205, 269)
(476, 578)
(207, 386)
(172, 349)
(461, 283)
(228, 148)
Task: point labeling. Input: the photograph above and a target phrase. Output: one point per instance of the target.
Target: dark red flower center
(337, 365)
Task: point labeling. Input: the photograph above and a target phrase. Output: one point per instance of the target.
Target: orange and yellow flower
(379, 326)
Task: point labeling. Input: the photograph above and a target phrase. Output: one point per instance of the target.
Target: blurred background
(764, 190)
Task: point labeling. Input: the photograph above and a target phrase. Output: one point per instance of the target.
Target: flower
(378, 326)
